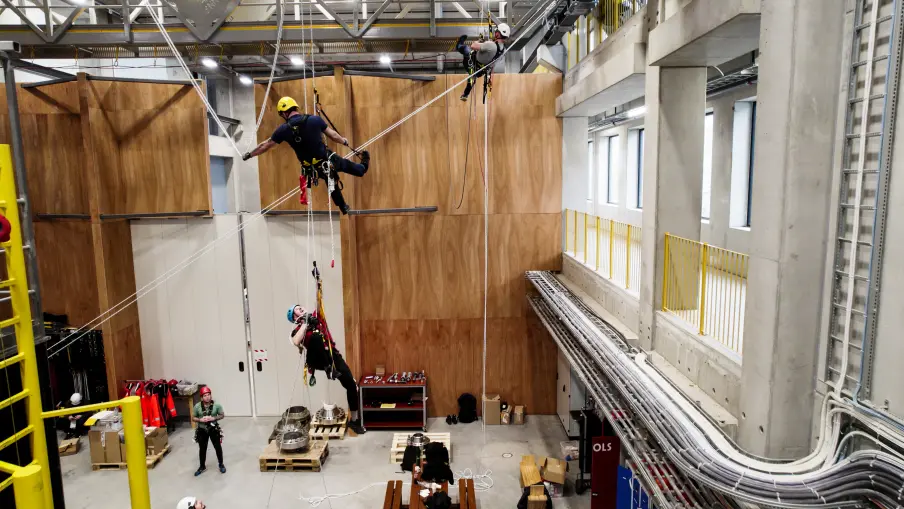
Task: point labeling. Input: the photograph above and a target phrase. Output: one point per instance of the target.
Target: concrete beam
(706, 32)
(619, 80)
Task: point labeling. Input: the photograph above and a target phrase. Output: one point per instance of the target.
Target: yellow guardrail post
(665, 274)
(29, 487)
(136, 459)
(703, 262)
(628, 259)
(25, 340)
(611, 239)
(585, 237)
(597, 244)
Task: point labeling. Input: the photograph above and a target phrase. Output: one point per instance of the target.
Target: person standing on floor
(190, 503)
(207, 414)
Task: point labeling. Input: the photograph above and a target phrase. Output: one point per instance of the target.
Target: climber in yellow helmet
(304, 133)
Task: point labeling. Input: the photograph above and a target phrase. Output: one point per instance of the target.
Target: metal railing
(31, 481)
(609, 247)
(613, 14)
(706, 286)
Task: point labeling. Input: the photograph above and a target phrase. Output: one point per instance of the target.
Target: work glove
(246, 156)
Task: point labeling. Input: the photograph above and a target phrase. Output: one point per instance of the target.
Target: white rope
(123, 304)
(486, 247)
(331, 185)
(482, 482)
(279, 31)
(316, 501)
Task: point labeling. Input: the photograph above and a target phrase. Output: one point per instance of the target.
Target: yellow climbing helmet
(285, 104)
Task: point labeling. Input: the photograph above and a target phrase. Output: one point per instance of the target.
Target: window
(707, 165)
(611, 170)
(640, 141)
(590, 172)
(750, 163)
(222, 190)
(634, 198)
(742, 155)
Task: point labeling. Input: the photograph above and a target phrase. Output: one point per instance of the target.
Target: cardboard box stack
(551, 471)
(518, 417)
(106, 440)
(492, 409)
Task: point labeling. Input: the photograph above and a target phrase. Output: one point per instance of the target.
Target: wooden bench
(393, 499)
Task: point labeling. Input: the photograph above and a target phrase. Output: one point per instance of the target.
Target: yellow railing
(31, 480)
(610, 247)
(707, 287)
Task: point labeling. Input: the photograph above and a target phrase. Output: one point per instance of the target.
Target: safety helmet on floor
(285, 104)
(205, 390)
(504, 29)
(76, 399)
(187, 503)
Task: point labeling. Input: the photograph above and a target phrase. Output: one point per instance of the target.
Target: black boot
(339, 200)
(365, 159)
(460, 45)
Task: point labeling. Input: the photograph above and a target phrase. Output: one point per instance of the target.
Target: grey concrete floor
(353, 464)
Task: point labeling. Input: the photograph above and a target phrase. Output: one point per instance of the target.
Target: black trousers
(340, 165)
(472, 65)
(203, 435)
(344, 374)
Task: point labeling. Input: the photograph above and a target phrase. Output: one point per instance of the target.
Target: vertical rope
(486, 249)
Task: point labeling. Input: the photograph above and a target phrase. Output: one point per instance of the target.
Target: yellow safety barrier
(610, 247)
(706, 286)
(31, 482)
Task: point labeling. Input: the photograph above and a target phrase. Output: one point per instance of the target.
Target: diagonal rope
(119, 307)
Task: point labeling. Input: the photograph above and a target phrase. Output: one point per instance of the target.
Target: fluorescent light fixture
(209, 63)
(637, 112)
(296, 61)
(245, 80)
(385, 60)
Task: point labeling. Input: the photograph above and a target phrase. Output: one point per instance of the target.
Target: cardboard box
(492, 409)
(530, 474)
(518, 415)
(381, 370)
(68, 447)
(96, 446)
(156, 440)
(112, 449)
(505, 417)
(553, 470)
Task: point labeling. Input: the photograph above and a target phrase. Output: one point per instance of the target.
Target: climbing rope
(152, 285)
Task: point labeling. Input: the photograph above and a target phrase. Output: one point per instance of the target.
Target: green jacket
(215, 409)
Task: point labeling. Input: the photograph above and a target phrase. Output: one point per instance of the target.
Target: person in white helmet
(73, 425)
(480, 56)
(190, 503)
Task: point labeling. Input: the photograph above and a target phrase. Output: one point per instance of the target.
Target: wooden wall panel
(420, 277)
(151, 147)
(279, 168)
(52, 140)
(66, 269)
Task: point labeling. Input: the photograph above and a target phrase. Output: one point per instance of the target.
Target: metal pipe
(391, 211)
(390, 75)
(62, 216)
(150, 215)
(28, 229)
(48, 82)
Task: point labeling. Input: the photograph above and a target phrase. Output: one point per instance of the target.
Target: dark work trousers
(341, 165)
(214, 436)
(345, 377)
(472, 65)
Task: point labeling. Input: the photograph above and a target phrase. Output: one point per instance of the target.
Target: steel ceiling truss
(47, 24)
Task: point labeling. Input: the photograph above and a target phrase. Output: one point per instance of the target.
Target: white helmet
(504, 29)
(187, 503)
(76, 399)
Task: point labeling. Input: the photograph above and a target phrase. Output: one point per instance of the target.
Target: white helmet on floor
(504, 29)
(187, 503)
(76, 399)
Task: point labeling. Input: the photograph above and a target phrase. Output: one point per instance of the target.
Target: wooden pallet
(310, 461)
(400, 441)
(334, 432)
(152, 461)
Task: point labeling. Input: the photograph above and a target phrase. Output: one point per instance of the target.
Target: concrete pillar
(720, 186)
(673, 175)
(575, 164)
(246, 173)
(798, 93)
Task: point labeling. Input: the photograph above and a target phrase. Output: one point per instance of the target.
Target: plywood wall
(413, 285)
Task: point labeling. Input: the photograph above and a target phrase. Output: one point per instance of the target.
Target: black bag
(436, 467)
(411, 457)
(467, 408)
(438, 500)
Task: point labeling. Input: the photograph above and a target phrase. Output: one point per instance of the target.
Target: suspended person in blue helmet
(312, 335)
(481, 56)
(304, 133)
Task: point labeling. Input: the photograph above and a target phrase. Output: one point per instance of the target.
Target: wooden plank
(462, 494)
(397, 495)
(390, 492)
(472, 496)
(311, 460)
(152, 461)
(66, 266)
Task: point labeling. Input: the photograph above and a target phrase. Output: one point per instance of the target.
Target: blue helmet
(291, 314)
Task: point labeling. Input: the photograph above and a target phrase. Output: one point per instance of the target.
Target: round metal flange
(330, 414)
(294, 441)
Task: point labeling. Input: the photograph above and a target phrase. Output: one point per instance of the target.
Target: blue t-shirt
(304, 133)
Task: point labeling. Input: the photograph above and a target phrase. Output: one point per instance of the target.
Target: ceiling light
(245, 80)
(209, 63)
(385, 60)
(637, 112)
(296, 61)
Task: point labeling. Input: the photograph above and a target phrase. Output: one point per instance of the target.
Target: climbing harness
(320, 328)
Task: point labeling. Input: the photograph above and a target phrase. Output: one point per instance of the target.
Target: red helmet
(205, 390)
